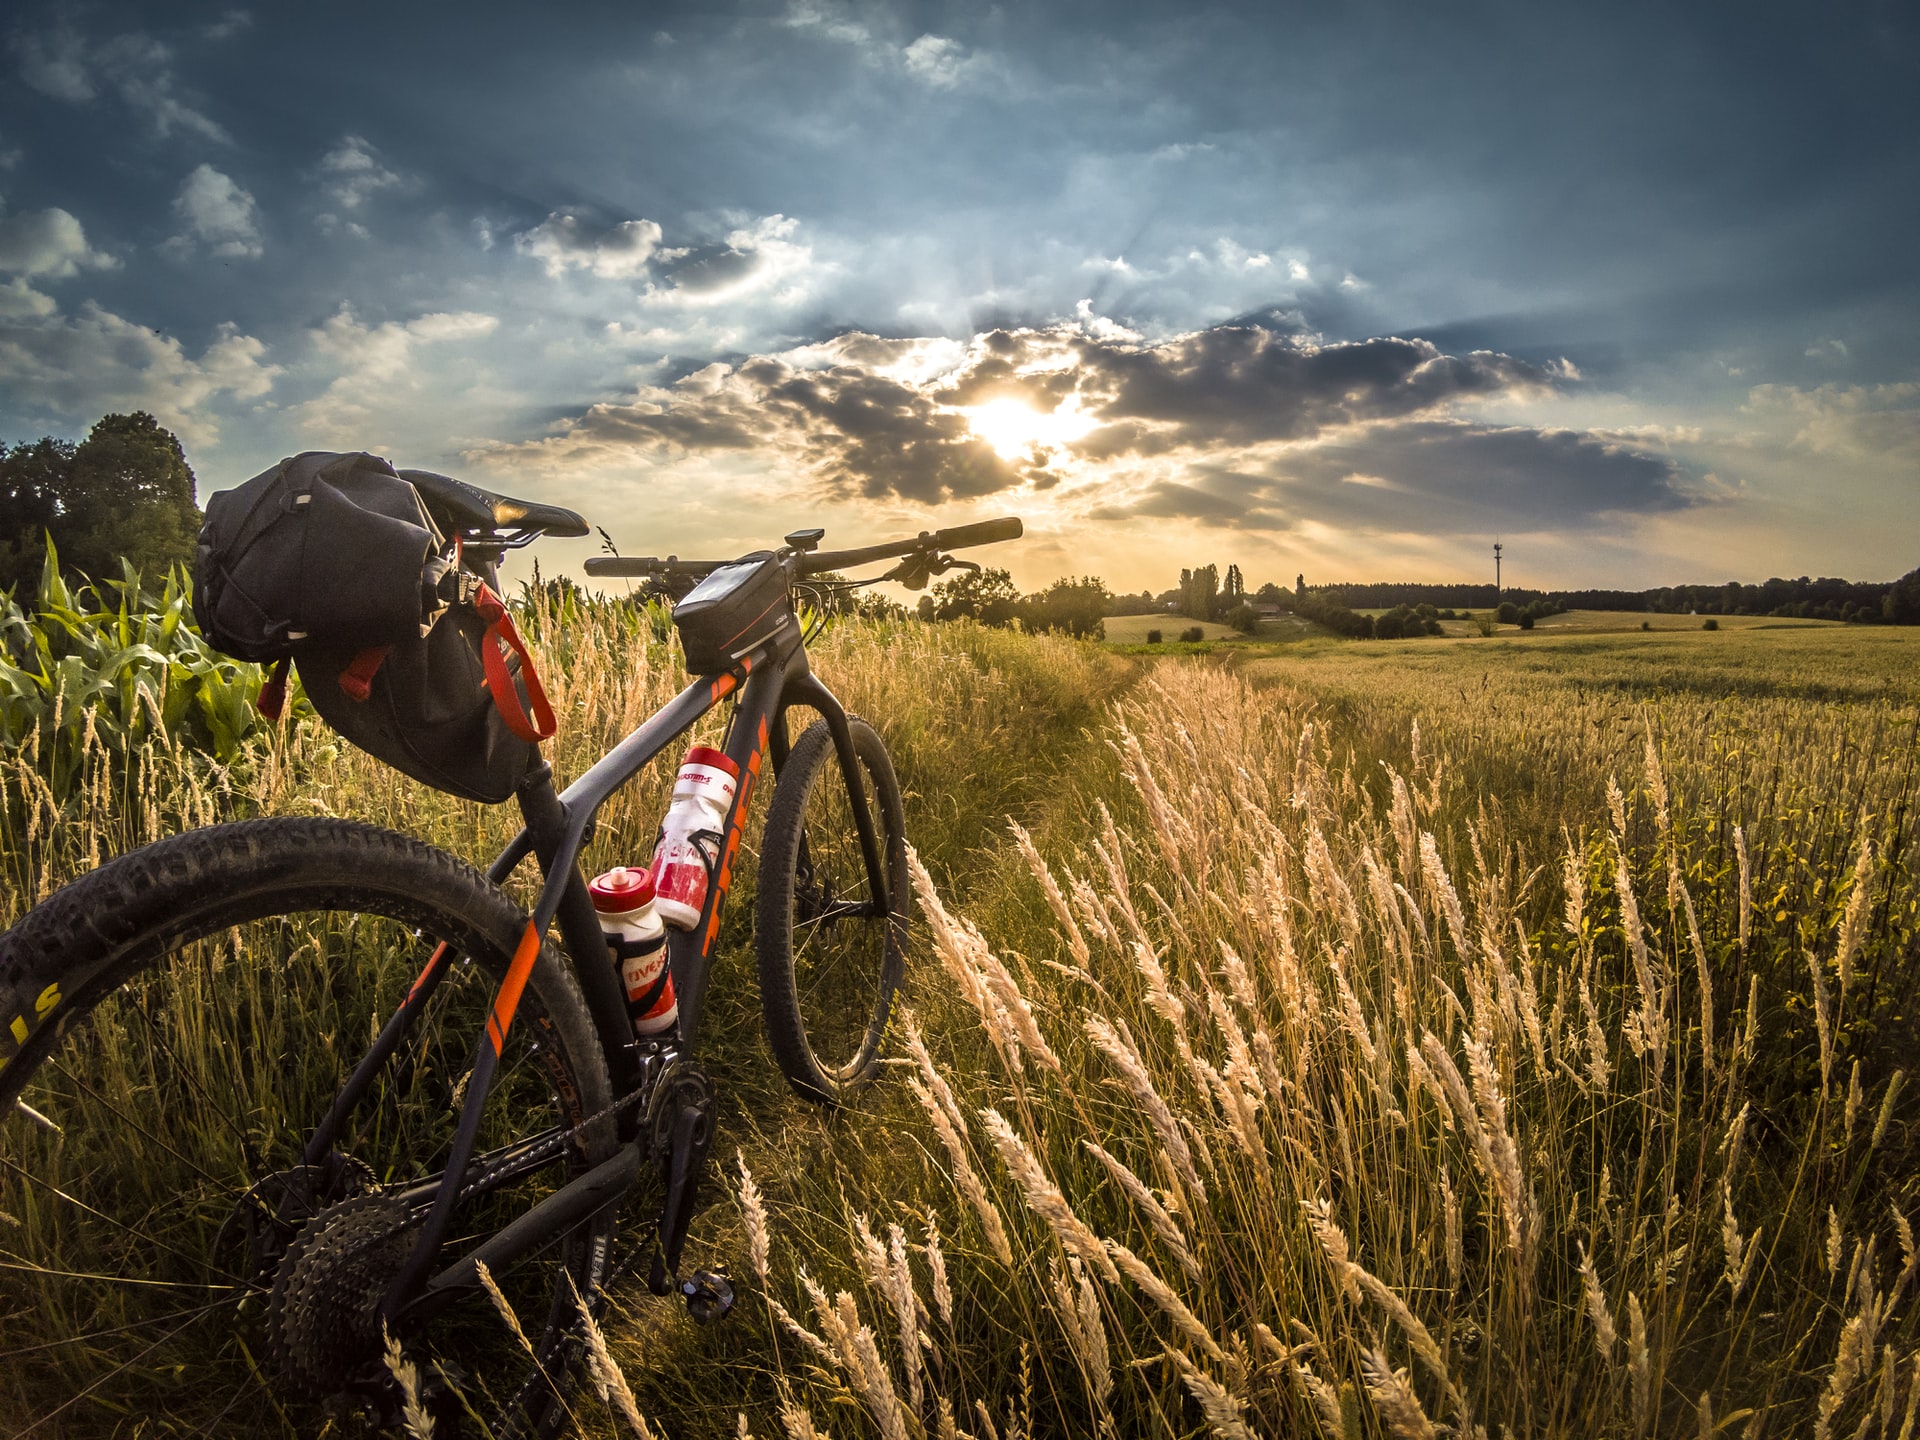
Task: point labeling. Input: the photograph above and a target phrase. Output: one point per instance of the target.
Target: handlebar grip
(615, 566)
(987, 532)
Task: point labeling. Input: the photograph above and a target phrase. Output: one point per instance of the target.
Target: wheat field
(1457, 1038)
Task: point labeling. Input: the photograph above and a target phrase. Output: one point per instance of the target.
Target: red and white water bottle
(624, 901)
(691, 835)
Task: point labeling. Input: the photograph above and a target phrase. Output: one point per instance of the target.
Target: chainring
(323, 1320)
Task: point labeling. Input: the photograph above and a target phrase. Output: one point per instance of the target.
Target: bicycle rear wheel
(830, 961)
(175, 1025)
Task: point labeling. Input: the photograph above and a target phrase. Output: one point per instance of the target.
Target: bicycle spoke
(187, 1073)
(133, 1125)
(194, 1313)
(120, 1369)
(49, 1186)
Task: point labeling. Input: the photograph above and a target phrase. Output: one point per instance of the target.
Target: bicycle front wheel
(173, 1027)
(831, 957)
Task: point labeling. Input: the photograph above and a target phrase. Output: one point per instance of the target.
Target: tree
(130, 496)
(1508, 613)
(32, 479)
(1199, 592)
(988, 596)
(1244, 618)
(125, 492)
(1075, 606)
(1236, 586)
(1901, 604)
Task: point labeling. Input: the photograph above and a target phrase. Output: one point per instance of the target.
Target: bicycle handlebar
(958, 537)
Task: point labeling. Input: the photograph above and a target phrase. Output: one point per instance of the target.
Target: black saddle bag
(331, 562)
(323, 547)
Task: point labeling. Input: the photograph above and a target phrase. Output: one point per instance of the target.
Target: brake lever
(917, 569)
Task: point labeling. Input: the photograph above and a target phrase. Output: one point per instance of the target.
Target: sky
(1342, 290)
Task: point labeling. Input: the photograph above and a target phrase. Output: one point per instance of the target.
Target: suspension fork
(808, 690)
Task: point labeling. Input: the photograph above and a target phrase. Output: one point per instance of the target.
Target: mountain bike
(228, 1185)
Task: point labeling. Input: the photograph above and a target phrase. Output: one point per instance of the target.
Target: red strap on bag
(271, 702)
(500, 637)
(356, 681)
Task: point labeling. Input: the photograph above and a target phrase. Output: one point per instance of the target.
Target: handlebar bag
(323, 547)
(736, 608)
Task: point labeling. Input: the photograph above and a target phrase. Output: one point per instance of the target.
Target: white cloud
(47, 243)
(941, 62)
(139, 69)
(19, 301)
(564, 242)
(808, 15)
(219, 214)
(79, 366)
(761, 260)
(354, 173)
(935, 60)
(1871, 426)
(377, 366)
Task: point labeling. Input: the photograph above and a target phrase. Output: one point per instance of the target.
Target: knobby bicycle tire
(829, 974)
(178, 1021)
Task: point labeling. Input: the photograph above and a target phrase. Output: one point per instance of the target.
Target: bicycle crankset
(680, 1120)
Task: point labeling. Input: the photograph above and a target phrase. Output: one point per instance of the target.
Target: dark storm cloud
(860, 433)
(1237, 385)
(1432, 478)
(866, 431)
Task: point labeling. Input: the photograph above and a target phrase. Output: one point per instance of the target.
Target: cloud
(1427, 477)
(1866, 425)
(378, 367)
(936, 61)
(870, 417)
(77, 367)
(219, 214)
(353, 174)
(941, 62)
(762, 260)
(564, 242)
(47, 243)
(831, 411)
(1233, 384)
(234, 22)
(62, 63)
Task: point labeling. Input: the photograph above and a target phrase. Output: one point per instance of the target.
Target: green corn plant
(114, 658)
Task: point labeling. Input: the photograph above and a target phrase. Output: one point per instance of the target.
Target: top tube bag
(735, 608)
(332, 562)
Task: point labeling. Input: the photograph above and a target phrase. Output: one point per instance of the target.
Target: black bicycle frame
(557, 827)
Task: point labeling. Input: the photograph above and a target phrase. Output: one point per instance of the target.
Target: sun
(1015, 429)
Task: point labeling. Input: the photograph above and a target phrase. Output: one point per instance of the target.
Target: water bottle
(691, 835)
(624, 901)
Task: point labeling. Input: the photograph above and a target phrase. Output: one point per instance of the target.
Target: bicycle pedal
(709, 1297)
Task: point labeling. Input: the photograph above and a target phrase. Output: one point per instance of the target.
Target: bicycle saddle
(458, 506)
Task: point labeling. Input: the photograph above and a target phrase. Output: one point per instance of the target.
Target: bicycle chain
(657, 1068)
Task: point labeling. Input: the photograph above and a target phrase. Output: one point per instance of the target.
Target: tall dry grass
(1304, 1093)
